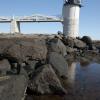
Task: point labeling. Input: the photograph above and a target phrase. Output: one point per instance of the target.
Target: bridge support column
(15, 26)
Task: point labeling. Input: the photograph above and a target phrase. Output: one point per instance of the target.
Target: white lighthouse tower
(71, 10)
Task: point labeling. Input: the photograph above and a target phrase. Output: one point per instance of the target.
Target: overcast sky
(89, 16)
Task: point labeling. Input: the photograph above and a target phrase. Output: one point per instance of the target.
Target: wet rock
(58, 46)
(45, 81)
(13, 87)
(4, 66)
(59, 63)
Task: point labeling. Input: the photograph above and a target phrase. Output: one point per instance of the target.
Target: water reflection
(84, 79)
(71, 73)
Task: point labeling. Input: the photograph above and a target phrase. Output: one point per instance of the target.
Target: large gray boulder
(13, 87)
(13, 51)
(4, 44)
(4, 66)
(45, 81)
(36, 49)
(24, 50)
(59, 63)
(58, 46)
(79, 44)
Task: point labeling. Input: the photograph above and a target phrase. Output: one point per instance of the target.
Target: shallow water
(83, 83)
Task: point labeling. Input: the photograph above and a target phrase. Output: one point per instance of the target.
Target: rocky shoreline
(37, 65)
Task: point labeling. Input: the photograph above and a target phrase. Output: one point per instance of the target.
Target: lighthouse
(71, 11)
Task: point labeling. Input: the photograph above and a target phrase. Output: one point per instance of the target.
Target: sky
(89, 16)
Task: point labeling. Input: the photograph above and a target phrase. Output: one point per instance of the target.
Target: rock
(30, 67)
(79, 44)
(33, 50)
(14, 52)
(69, 41)
(58, 37)
(58, 46)
(45, 81)
(70, 50)
(73, 42)
(60, 33)
(13, 87)
(4, 44)
(92, 47)
(99, 50)
(4, 66)
(59, 63)
(32, 64)
(24, 50)
(87, 40)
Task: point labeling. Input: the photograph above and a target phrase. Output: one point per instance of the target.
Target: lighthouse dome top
(73, 2)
